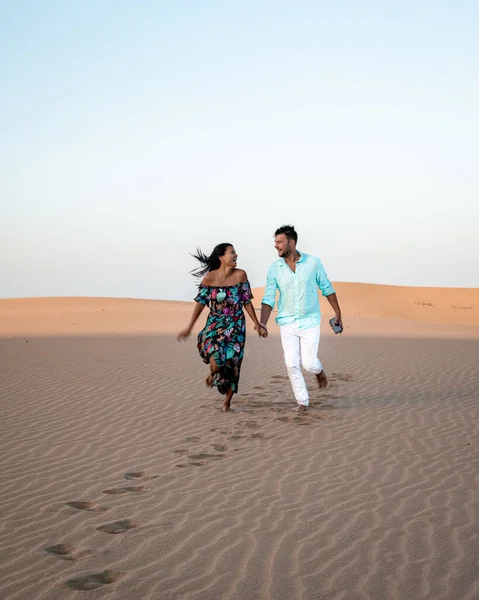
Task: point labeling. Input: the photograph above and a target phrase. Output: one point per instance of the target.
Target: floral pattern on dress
(224, 334)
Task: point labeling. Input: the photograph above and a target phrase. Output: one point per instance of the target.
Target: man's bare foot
(300, 408)
(322, 380)
(209, 381)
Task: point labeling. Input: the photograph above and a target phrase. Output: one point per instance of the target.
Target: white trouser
(300, 346)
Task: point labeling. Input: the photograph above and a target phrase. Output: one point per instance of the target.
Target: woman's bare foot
(209, 380)
(322, 380)
(300, 408)
(227, 402)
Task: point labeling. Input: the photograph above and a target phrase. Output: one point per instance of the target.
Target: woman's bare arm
(185, 333)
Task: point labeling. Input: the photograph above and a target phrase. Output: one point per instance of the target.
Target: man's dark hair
(288, 231)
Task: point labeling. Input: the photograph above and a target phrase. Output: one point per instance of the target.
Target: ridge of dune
(458, 306)
(91, 315)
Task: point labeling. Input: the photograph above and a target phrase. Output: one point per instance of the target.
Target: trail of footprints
(258, 402)
(263, 401)
(198, 459)
(93, 581)
(276, 396)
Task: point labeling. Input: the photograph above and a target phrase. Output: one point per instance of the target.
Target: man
(297, 276)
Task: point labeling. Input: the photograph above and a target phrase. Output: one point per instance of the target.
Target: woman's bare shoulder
(209, 279)
(236, 277)
(241, 276)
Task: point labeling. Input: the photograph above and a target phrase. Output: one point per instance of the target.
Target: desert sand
(121, 478)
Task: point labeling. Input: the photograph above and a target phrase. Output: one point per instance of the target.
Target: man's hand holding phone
(336, 324)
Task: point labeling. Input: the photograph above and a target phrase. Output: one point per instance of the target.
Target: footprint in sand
(198, 460)
(320, 416)
(279, 377)
(237, 437)
(193, 438)
(126, 490)
(261, 436)
(180, 451)
(117, 526)
(219, 447)
(297, 420)
(341, 376)
(249, 424)
(95, 580)
(88, 506)
(304, 419)
(66, 551)
(205, 455)
(140, 475)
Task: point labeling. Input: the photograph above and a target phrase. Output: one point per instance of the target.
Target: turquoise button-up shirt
(298, 291)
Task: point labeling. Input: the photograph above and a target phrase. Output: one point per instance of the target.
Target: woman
(226, 290)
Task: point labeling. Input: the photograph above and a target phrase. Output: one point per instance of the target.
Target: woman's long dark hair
(211, 262)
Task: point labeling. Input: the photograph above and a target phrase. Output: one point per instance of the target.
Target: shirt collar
(300, 259)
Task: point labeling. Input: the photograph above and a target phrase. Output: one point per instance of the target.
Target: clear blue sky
(133, 131)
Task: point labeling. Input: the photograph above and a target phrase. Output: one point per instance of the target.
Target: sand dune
(458, 306)
(77, 316)
(120, 477)
(427, 304)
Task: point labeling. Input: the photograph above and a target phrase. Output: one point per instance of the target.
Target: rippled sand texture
(121, 478)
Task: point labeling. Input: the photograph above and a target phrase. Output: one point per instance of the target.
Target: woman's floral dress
(224, 334)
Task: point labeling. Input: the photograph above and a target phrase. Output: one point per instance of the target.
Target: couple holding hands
(226, 290)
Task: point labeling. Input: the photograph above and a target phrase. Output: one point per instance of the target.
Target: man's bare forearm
(265, 314)
(333, 300)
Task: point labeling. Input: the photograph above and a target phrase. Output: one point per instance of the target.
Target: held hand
(261, 330)
(184, 335)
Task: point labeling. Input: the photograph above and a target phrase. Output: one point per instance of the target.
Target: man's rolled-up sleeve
(323, 281)
(269, 297)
